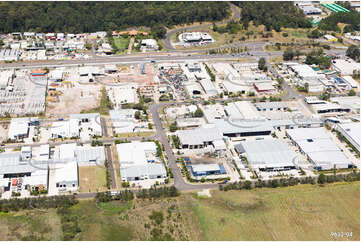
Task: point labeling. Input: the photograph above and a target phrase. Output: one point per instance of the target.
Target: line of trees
(291, 181)
(125, 195)
(159, 192)
(15, 204)
(77, 17)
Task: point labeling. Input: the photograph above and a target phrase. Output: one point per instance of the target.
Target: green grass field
(294, 213)
(303, 212)
(121, 43)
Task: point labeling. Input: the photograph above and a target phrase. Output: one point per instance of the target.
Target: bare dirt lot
(75, 98)
(131, 73)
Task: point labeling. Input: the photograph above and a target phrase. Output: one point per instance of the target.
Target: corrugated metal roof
(267, 153)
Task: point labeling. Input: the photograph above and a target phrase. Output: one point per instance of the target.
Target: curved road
(167, 41)
(179, 182)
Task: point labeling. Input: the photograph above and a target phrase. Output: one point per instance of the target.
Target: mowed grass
(121, 43)
(92, 179)
(303, 212)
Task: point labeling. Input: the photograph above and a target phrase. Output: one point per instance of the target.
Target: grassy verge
(104, 106)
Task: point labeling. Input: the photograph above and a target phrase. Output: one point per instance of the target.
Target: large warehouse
(143, 172)
(319, 148)
(198, 138)
(268, 155)
(352, 132)
(12, 166)
(138, 161)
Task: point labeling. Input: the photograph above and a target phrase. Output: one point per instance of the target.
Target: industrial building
(138, 161)
(19, 127)
(123, 120)
(136, 153)
(271, 106)
(78, 125)
(330, 38)
(241, 110)
(150, 44)
(348, 102)
(319, 148)
(261, 127)
(85, 155)
(65, 176)
(9, 54)
(207, 169)
(143, 172)
(198, 138)
(89, 156)
(307, 75)
(310, 10)
(195, 37)
(268, 155)
(352, 132)
(328, 107)
(345, 66)
(16, 173)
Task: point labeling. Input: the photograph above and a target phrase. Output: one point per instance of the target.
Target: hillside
(76, 17)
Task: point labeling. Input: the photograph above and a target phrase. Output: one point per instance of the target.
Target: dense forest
(77, 17)
(352, 19)
(273, 15)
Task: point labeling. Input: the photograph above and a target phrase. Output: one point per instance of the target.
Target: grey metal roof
(148, 170)
(199, 136)
(307, 133)
(268, 105)
(11, 163)
(319, 147)
(90, 154)
(267, 153)
(205, 167)
(230, 127)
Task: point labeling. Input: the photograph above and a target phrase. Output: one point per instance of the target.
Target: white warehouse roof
(268, 153)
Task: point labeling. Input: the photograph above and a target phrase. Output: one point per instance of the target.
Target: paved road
(134, 59)
(110, 167)
(179, 182)
(167, 41)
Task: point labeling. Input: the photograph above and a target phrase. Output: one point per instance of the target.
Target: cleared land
(303, 212)
(92, 179)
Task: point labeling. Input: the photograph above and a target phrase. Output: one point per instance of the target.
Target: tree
(307, 86)
(173, 127)
(353, 52)
(86, 17)
(321, 178)
(288, 54)
(262, 63)
(351, 93)
(314, 34)
(247, 185)
(198, 113)
(158, 31)
(137, 115)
